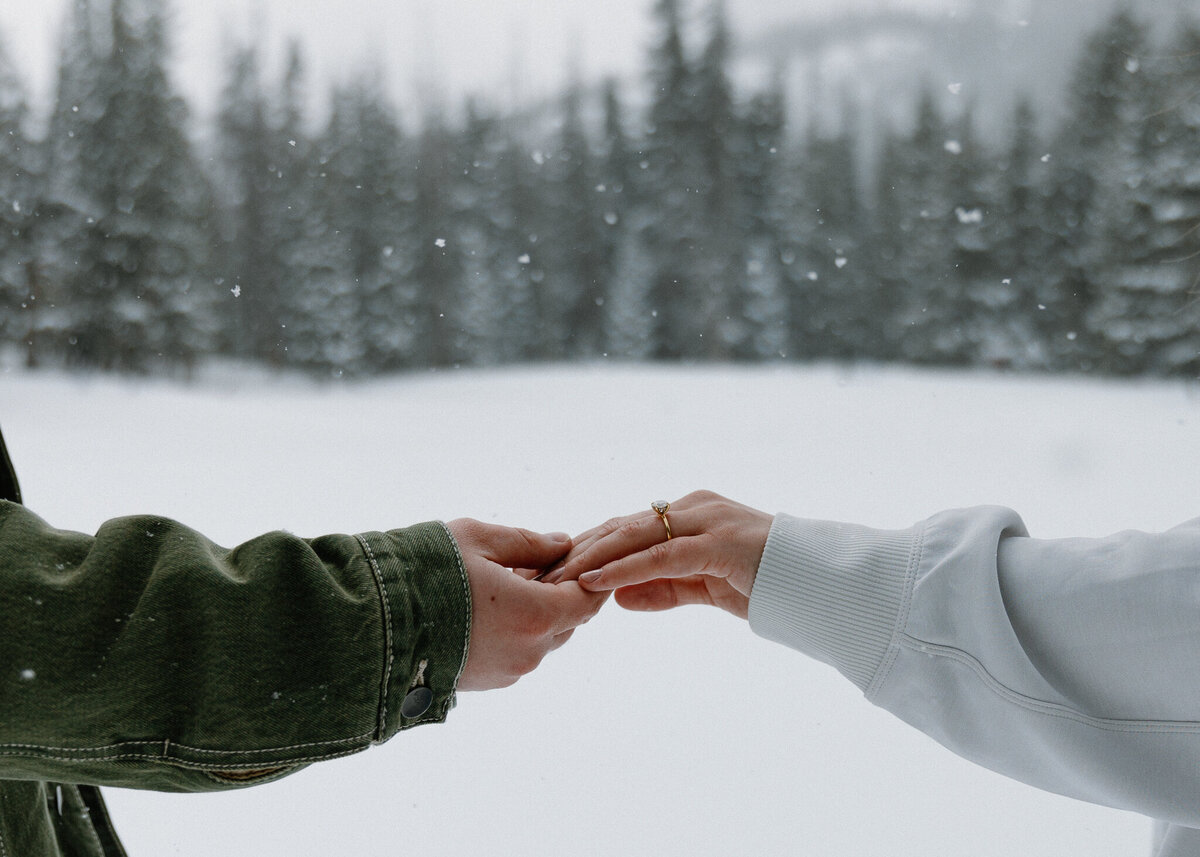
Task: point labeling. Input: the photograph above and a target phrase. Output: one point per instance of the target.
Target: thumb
(519, 548)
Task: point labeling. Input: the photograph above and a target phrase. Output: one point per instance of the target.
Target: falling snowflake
(523, 259)
(955, 88)
(966, 216)
(236, 291)
(953, 147)
(441, 242)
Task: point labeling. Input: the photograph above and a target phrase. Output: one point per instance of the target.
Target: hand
(515, 622)
(712, 557)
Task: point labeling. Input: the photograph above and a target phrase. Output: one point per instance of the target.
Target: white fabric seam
(916, 555)
(1038, 706)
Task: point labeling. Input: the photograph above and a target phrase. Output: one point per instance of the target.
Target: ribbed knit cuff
(833, 591)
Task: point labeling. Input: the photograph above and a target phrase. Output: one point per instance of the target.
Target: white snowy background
(671, 734)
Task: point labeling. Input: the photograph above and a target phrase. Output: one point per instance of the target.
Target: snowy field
(676, 734)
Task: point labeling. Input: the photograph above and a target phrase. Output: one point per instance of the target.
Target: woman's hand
(711, 557)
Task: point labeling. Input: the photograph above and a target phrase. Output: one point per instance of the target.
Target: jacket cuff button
(417, 702)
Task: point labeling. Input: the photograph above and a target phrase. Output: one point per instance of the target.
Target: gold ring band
(661, 507)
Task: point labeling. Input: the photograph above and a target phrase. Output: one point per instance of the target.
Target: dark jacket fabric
(145, 656)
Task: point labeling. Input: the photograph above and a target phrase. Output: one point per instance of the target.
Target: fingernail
(559, 537)
(589, 577)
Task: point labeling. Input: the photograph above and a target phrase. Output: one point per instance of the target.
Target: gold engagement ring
(661, 507)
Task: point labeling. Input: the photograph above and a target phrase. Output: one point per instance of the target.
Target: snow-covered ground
(674, 734)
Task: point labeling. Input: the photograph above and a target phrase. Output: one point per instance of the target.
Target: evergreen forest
(700, 225)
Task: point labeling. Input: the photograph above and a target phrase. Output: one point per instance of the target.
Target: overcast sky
(498, 48)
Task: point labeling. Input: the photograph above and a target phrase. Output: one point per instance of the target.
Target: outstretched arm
(146, 656)
(1067, 664)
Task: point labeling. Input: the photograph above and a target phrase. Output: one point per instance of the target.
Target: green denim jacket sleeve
(146, 656)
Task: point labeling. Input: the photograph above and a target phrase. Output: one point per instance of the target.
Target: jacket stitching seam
(466, 587)
(1050, 709)
(389, 656)
(105, 747)
(185, 763)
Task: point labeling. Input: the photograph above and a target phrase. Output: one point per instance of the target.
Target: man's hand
(515, 622)
(712, 557)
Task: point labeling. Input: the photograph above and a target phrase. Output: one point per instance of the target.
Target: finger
(664, 594)
(514, 547)
(565, 606)
(625, 536)
(579, 545)
(681, 557)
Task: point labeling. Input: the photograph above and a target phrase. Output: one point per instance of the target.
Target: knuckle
(528, 661)
(466, 529)
(610, 526)
(658, 553)
(628, 528)
(529, 538)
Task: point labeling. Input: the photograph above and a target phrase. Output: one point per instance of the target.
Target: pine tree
(20, 190)
(531, 322)
(503, 313)
(830, 311)
(575, 239)
(249, 177)
(1148, 308)
(1096, 157)
(758, 150)
(934, 309)
(626, 264)
(983, 301)
(438, 264)
(719, 266)
(139, 194)
(672, 228)
(369, 216)
(1023, 248)
(66, 209)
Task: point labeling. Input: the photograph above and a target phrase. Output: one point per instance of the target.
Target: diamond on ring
(661, 507)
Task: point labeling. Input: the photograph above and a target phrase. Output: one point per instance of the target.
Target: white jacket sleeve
(1072, 665)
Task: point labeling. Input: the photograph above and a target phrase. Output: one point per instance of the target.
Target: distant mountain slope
(985, 54)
